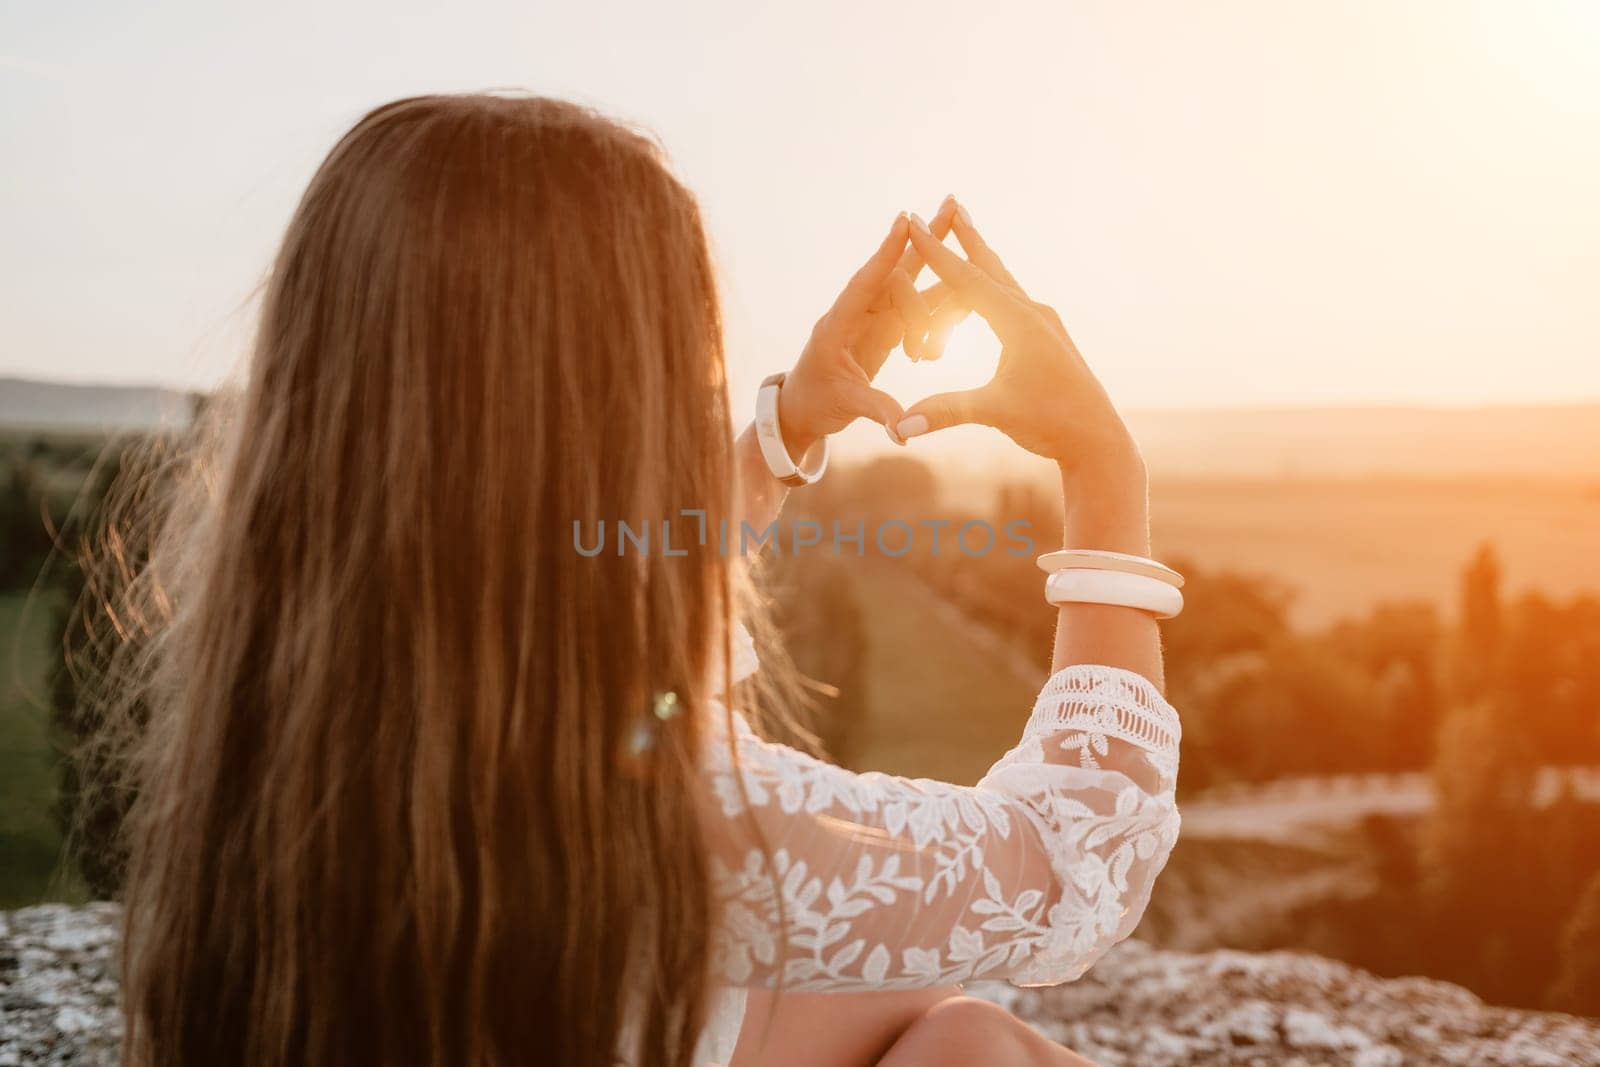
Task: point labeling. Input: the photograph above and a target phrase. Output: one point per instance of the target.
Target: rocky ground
(1156, 1008)
(1138, 1006)
(58, 986)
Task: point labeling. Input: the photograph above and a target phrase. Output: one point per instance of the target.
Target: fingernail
(912, 425)
(916, 220)
(893, 436)
(961, 213)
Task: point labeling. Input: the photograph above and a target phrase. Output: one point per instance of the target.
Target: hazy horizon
(1480, 443)
(1261, 407)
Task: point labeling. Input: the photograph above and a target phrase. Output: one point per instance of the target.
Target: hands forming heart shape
(1043, 395)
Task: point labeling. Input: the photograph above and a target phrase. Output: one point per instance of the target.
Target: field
(943, 704)
(1347, 545)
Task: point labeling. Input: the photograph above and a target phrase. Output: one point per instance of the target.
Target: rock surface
(58, 986)
(1138, 1006)
(1155, 1008)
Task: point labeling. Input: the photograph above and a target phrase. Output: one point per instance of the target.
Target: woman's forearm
(1107, 507)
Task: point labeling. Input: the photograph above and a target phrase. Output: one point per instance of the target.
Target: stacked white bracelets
(1090, 576)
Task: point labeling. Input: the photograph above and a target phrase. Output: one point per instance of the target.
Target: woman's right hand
(1043, 395)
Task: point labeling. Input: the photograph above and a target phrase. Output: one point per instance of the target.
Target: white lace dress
(894, 883)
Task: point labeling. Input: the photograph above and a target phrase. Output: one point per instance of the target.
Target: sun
(969, 362)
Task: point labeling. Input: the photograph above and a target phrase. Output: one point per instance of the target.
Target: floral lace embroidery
(892, 883)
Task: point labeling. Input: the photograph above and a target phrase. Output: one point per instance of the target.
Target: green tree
(1398, 645)
(24, 534)
(1551, 671)
(1480, 638)
(1479, 856)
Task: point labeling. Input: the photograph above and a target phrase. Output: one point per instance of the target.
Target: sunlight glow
(970, 358)
(1551, 50)
(969, 361)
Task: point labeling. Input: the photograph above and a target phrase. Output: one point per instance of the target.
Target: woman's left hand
(831, 385)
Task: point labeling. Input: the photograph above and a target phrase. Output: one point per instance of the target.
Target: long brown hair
(389, 808)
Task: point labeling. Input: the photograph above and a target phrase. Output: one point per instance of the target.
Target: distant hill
(34, 405)
(1554, 441)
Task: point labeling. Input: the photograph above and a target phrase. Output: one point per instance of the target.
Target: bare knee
(966, 1030)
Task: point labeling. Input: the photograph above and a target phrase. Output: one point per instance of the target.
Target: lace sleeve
(894, 883)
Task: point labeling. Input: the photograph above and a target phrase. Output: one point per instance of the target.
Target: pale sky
(1232, 203)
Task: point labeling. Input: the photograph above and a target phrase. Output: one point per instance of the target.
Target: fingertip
(896, 236)
(921, 237)
(911, 426)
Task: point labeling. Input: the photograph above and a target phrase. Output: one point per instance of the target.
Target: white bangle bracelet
(769, 435)
(1114, 588)
(1095, 559)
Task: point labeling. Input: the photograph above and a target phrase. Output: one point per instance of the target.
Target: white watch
(769, 435)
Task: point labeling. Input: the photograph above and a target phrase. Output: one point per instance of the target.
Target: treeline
(1262, 699)
(42, 478)
(1499, 887)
